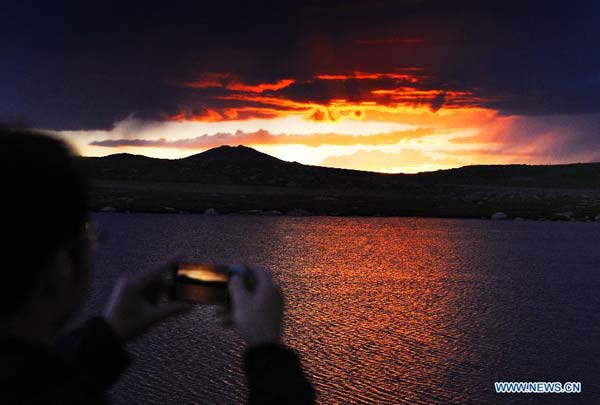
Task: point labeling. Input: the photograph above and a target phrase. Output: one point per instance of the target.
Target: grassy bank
(433, 201)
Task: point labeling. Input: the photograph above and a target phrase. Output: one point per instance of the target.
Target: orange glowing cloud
(411, 102)
(374, 92)
(259, 88)
(449, 127)
(208, 115)
(434, 98)
(262, 137)
(398, 142)
(229, 81)
(371, 76)
(225, 114)
(332, 111)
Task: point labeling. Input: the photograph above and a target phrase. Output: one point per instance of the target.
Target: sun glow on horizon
(410, 141)
(387, 121)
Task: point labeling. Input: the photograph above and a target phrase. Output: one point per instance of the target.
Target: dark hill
(238, 153)
(238, 165)
(241, 179)
(245, 166)
(551, 176)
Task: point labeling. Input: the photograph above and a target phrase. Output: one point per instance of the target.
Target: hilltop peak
(238, 153)
(125, 157)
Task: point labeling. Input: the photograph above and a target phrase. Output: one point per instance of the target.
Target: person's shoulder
(31, 374)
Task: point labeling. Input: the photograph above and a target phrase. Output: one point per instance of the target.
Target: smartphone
(203, 283)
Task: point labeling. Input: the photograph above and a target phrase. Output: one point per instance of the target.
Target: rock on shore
(499, 216)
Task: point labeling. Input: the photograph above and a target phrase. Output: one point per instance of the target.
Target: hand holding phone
(252, 300)
(205, 283)
(135, 303)
(257, 311)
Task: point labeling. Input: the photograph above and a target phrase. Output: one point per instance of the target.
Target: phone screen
(201, 283)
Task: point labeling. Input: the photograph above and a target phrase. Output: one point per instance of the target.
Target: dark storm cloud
(89, 66)
(558, 138)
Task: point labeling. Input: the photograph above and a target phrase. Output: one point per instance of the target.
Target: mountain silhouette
(242, 165)
(224, 165)
(242, 180)
(238, 153)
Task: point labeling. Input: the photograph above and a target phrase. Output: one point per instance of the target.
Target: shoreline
(435, 201)
(307, 214)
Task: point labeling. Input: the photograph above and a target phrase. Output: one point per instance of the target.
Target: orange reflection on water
(379, 308)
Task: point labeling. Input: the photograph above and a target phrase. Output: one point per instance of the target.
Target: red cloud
(321, 98)
(208, 115)
(231, 82)
(371, 76)
(259, 88)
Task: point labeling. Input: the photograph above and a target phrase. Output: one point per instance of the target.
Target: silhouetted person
(47, 265)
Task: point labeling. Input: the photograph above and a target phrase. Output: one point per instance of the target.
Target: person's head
(45, 250)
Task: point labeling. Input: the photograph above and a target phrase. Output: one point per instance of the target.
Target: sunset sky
(393, 86)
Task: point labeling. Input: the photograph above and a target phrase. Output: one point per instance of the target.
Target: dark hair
(44, 205)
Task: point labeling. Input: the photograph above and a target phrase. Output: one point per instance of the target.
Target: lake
(382, 310)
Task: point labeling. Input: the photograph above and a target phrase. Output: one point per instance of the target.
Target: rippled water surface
(382, 310)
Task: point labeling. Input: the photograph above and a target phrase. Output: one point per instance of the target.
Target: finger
(237, 269)
(237, 290)
(262, 278)
(155, 275)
